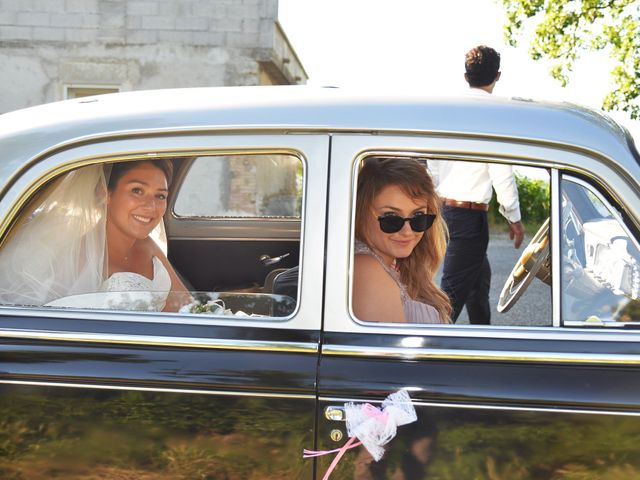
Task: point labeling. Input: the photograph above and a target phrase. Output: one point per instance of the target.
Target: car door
(90, 393)
(556, 397)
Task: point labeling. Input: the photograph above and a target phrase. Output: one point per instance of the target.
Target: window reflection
(600, 260)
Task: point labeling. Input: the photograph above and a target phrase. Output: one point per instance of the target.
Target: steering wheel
(535, 261)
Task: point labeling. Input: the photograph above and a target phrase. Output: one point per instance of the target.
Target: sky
(419, 45)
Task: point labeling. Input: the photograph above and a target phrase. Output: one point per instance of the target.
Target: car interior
(233, 228)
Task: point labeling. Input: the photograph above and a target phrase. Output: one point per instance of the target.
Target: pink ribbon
(369, 410)
(318, 453)
(349, 444)
(375, 412)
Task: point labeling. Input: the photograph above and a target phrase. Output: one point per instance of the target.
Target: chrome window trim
(224, 393)
(421, 403)
(549, 155)
(480, 355)
(172, 318)
(246, 239)
(428, 156)
(150, 340)
(203, 218)
(116, 148)
(555, 232)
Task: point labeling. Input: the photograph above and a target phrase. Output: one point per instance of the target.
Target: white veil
(58, 248)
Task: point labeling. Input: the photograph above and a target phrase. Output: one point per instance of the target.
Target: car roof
(26, 134)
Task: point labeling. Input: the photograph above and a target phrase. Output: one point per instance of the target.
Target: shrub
(534, 197)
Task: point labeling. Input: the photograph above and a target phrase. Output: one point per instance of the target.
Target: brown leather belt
(471, 205)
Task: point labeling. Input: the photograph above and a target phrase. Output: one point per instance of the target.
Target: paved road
(533, 308)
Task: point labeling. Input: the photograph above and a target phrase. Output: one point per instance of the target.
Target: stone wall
(50, 47)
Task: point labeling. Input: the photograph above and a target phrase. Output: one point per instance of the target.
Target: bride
(86, 242)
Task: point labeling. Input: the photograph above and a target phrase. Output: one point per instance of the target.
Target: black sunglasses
(392, 223)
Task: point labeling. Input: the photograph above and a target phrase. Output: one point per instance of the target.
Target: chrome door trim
(490, 407)
(480, 355)
(162, 390)
(150, 340)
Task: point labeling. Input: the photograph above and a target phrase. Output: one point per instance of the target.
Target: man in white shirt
(466, 191)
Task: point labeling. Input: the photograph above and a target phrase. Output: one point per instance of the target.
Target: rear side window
(95, 238)
(242, 186)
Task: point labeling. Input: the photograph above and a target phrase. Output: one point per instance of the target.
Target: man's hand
(516, 233)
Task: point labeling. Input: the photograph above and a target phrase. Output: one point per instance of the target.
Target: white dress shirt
(472, 182)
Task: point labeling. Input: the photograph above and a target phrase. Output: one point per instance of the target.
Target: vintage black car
(261, 216)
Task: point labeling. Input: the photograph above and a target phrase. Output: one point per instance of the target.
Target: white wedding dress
(55, 255)
(125, 291)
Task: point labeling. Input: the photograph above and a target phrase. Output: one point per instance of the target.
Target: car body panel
(174, 405)
(522, 417)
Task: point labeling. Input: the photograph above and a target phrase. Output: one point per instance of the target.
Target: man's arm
(504, 183)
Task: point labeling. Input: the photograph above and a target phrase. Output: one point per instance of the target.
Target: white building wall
(47, 45)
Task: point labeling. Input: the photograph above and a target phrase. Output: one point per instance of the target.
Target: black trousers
(466, 274)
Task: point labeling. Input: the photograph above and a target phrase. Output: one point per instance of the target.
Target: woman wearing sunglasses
(400, 243)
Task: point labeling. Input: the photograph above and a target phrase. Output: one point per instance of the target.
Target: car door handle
(267, 260)
(334, 413)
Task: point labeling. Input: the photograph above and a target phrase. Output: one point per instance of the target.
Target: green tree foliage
(565, 28)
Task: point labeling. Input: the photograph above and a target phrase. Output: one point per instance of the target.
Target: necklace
(126, 256)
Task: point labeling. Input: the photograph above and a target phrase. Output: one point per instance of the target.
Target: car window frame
(311, 149)
(619, 216)
(555, 157)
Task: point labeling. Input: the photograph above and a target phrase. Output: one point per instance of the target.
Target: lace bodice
(414, 311)
(125, 291)
(155, 290)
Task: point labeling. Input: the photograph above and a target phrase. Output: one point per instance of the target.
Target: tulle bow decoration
(374, 427)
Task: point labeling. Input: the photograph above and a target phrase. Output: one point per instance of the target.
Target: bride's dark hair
(120, 168)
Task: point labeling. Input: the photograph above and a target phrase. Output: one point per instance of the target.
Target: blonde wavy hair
(418, 270)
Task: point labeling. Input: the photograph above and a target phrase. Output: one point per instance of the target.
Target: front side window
(600, 260)
(432, 243)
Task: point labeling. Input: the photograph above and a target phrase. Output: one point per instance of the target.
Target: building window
(78, 91)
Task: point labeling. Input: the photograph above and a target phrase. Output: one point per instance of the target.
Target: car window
(517, 281)
(242, 186)
(600, 260)
(94, 238)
